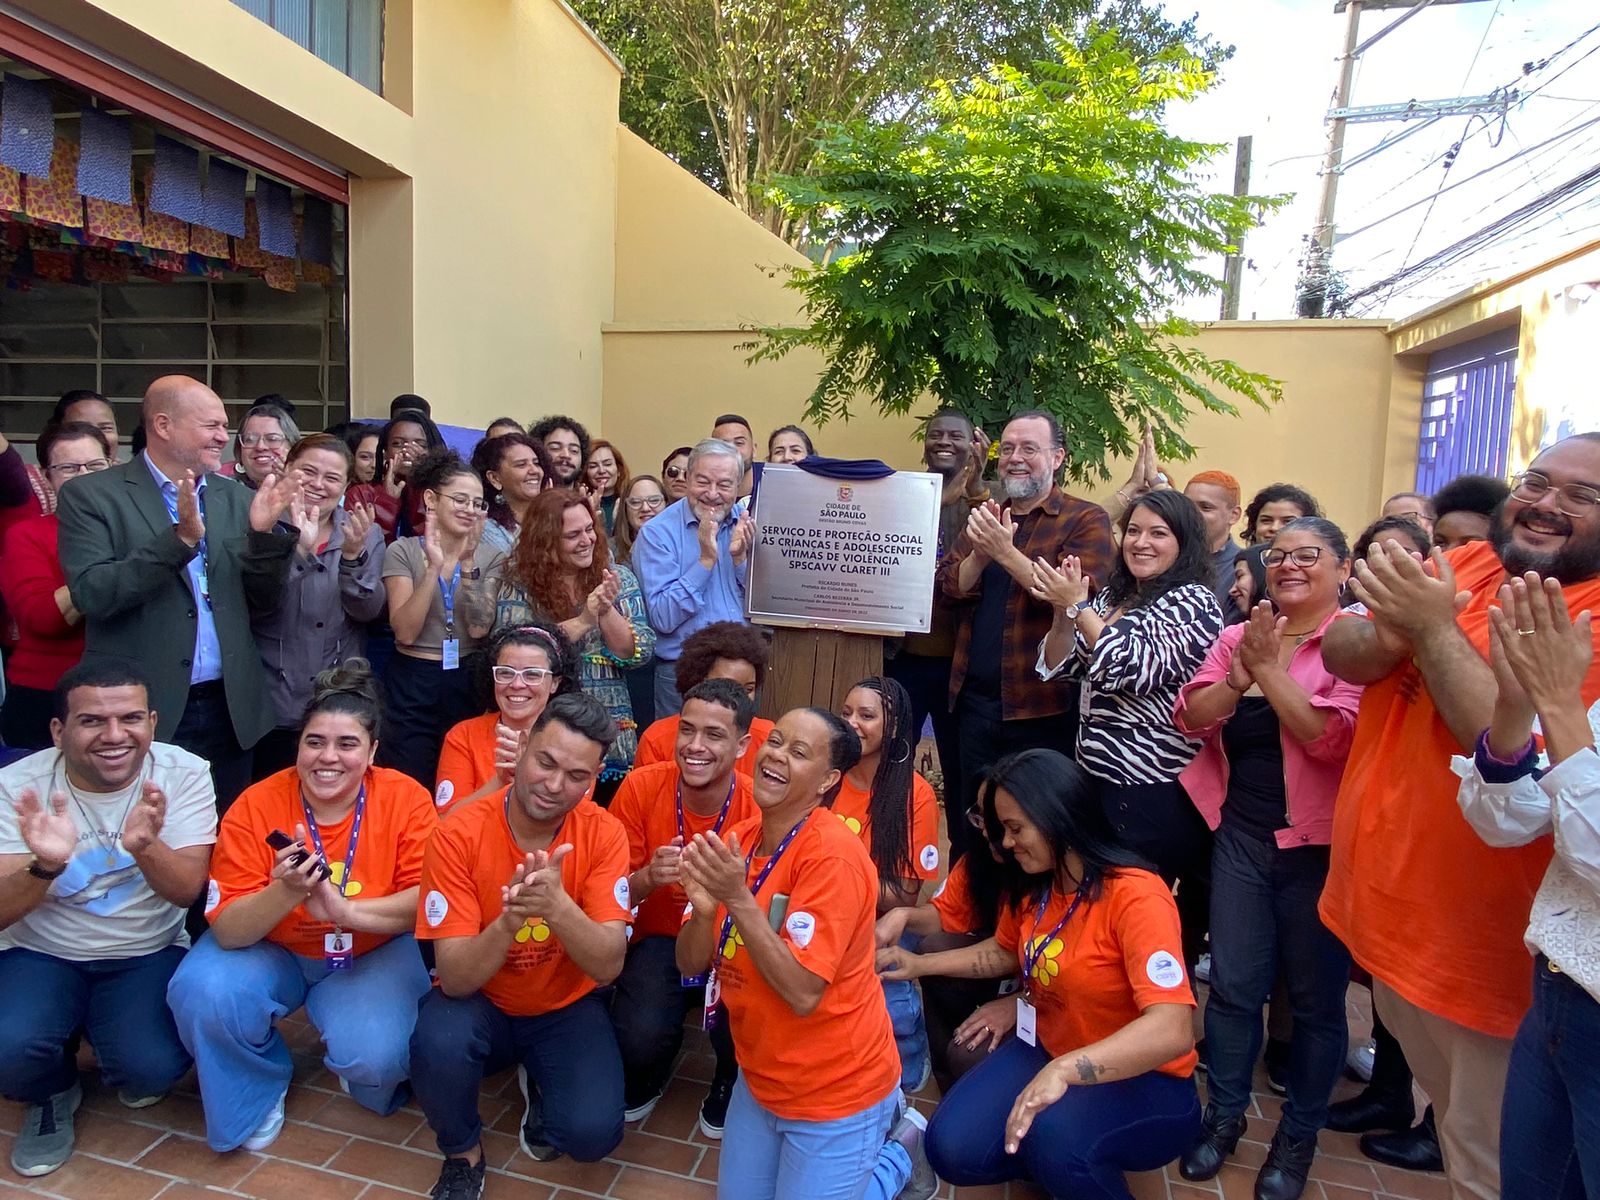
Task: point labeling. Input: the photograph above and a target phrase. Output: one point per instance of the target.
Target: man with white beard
(1001, 704)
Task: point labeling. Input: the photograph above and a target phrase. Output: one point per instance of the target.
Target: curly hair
(542, 635)
(543, 428)
(1471, 493)
(538, 564)
(720, 639)
(487, 456)
(1272, 494)
(436, 468)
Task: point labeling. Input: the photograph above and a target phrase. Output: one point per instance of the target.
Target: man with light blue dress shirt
(167, 562)
(693, 561)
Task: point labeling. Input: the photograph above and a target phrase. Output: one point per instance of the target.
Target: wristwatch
(1071, 611)
(44, 873)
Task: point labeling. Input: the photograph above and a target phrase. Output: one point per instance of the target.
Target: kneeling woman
(782, 917)
(323, 921)
(1099, 1079)
(524, 666)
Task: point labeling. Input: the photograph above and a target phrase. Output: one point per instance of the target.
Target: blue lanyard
(721, 816)
(202, 580)
(755, 888)
(448, 595)
(355, 834)
(1034, 947)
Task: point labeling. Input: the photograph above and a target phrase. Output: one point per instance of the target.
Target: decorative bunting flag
(222, 197)
(27, 125)
(175, 182)
(275, 210)
(105, 158)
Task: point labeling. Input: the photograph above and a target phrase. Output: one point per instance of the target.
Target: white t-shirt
(101, 906)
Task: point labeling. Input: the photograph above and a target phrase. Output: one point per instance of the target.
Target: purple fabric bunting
(27, 126)
(105, 158)
(275, 209)
(176, 192)
(222, 197)
(316, 231)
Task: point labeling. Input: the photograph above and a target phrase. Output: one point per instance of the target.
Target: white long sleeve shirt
(1565, 801)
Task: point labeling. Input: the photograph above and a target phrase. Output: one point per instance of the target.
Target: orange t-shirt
(842, 1058)
(953, 900)
(1421, 901)
(657, 743)
(851, 806)
(466, 760)
(646, 804)
(394, 833)
(472, 856)
(1116, 957)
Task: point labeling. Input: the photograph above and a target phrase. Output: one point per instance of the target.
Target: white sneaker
(909, 1131)
(1202, 968)
(1361, 1059)
(267, 1132)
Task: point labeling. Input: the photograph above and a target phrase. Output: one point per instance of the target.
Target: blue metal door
(1466, 410)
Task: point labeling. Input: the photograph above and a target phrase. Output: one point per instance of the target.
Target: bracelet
(1228, 679)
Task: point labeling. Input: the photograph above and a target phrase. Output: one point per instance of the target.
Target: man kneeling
(105, 840)
(525, 897)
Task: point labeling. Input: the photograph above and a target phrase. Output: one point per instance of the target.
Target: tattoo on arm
(476, 604)
(991, 962)
(1088, 1072)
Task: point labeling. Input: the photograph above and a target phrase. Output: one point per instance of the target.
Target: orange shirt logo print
(535, 930)
(731, 946)
(851, 823)
(1047, 965)
(336, 877)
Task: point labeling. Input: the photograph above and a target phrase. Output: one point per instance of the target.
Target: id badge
(693, 981)
(1027, 1022)
(713, 1012)
(451, 649)
(338, 951)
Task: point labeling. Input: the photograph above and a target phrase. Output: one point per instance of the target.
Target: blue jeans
(765, 1157)
(1550, 1121)
(648, 1008)
(1263, 918)
(228, 1002)
(1079, 1147)
(668, 702)
(120, 1004)
(910, 1034)
(570, 1055)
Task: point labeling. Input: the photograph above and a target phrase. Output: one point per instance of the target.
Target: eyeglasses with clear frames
(68, 469)
(1300, 556)
(1573, 499)
(638, 502)
(274, 440)
(532, 676)
(462, 500)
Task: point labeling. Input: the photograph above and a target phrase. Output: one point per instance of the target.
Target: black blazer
(127, 571)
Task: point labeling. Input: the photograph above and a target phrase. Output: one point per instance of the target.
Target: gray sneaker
(908, 1132)
(45, 1141)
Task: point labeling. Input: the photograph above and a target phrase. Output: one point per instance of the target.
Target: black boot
(1415, 1149)
(1218, 1137)
(1283, 1175)
(1372, 1108)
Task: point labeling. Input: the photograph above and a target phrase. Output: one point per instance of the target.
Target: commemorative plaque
(851, 555)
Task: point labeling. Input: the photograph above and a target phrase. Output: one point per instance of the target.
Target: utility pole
(1317, 268)
(1233, 268)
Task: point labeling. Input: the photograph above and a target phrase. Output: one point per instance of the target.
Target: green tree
(1020, 249)
(737, 91)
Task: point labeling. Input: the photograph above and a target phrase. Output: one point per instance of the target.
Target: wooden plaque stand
(816, 667)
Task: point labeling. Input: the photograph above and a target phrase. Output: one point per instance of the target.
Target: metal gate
(1466, 410)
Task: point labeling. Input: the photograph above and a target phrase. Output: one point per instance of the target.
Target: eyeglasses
(638, 502)
(69, 469)
(462, 500)
(675, 472)
(405, 443)
(1026, 450)
(975, 818)
(1300, 556)
(273, 440)
(532, 676)
(1574, 499)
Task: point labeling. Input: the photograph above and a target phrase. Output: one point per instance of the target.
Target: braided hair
(889, 806)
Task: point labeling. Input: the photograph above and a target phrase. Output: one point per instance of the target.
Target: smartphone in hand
(280, 840)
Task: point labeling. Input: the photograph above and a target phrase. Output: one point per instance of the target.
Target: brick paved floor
(331, 1149)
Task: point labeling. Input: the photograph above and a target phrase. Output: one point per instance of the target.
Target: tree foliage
(737, 91)
(1022, 248)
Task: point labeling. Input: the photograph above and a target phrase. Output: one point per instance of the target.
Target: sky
(1278, 87)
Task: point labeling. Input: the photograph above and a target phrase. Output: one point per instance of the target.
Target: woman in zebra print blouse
(1142, 638)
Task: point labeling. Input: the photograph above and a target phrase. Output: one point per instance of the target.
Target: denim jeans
(648, 1008)
(1263, 919)
(227, 1004)
(570, 1055)
(668, 702)
(1550, 1122)
(119, 1003)
(910, 1034)
(765, 1157)
(1079, 1146)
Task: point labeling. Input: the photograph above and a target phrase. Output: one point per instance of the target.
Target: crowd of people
(460, 755)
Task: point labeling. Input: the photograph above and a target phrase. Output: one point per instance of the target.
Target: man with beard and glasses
(1000, 703)
(955, 450)
(1434, 913)
(105, 839)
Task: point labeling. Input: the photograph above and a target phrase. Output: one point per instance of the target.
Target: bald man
(168, 561)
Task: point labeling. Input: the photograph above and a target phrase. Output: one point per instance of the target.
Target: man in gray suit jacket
(167, 563)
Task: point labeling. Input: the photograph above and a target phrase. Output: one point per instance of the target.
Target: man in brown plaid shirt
(1001, 704)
